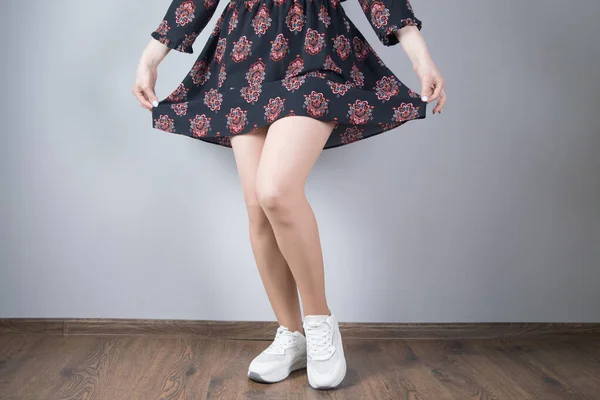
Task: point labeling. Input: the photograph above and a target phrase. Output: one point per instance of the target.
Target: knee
(274, 198)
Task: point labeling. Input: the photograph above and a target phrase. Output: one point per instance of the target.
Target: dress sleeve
(183, 22)
(387, 16)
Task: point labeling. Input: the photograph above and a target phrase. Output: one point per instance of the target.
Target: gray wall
(488, 212)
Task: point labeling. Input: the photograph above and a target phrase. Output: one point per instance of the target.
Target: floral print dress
(268, 59)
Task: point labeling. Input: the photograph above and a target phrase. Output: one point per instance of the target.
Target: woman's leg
(291, 148)
(273, 269)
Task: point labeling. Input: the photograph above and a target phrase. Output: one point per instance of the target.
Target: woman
(278, 82)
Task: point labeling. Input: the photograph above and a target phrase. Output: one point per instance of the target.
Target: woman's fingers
(151, 96)
(139, 93)
(440, 103)
(426, 88)
(438, 86)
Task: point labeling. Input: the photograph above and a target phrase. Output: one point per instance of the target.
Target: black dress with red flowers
(268, 59)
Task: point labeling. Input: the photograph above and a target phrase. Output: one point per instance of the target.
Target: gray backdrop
(487, 212)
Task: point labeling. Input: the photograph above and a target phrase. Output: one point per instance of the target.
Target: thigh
(292, 146)
(247, 150)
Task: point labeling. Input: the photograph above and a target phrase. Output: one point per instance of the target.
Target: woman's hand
(432, 82)
(147, 72)
(145, 81)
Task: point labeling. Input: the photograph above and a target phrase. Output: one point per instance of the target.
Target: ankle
(323, 310)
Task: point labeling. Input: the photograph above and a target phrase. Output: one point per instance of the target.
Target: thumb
(426, 90)
(151, 96)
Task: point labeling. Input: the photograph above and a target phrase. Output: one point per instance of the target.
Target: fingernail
(155, 103)
(424, 98)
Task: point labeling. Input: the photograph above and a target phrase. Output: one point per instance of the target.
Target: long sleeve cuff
(183, 22)
(387, 16)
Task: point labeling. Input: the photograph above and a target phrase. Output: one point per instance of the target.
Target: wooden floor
(36, 367)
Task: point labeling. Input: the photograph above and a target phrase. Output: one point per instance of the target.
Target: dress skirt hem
(357, 124)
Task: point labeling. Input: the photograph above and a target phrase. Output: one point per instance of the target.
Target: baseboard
(257, 330)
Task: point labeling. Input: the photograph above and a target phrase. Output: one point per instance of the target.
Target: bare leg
(273, 269)
(291, 148)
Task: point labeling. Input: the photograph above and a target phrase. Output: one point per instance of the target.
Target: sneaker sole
(277, 376)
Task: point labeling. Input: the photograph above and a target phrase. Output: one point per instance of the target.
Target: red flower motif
(164, 123)
(408, 22)
(233, 21)
(274, 108)
(222, 75)
(163, 28)
(295, 18)
(217, 29)
(200, 72)
(405, 112)
(236, 120)
(357, 76)
(386, 126)
(324, 16)
(316, 104)
(414, 94)
(379, 14)
(178, 94)
(330, 65)
(361, 48)
(213, 99)
(360, 112)
(200, 125)
(180, 108)
(341, 44)
(251, 93)
(340, 89)
(279, 47)
(256, 73)
(225, 141)
(295, 67)
(293, 83)
(188, 40)
(184, 14)
(250, 3)
(351, 134)
(387, 87)
(314, 41)
(220, 50)
(261, 21)
(241, 49)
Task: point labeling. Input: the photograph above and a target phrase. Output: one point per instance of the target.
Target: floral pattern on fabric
(269, 59)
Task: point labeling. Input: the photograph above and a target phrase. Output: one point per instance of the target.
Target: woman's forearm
(154, 53)
(413, 43)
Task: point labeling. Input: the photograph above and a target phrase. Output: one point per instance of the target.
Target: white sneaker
(287, 353)
(326, 364)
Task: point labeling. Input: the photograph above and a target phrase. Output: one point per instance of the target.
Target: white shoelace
(283, 339)
(318, 339)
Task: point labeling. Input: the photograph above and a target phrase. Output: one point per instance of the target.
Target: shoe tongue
(315, 319)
